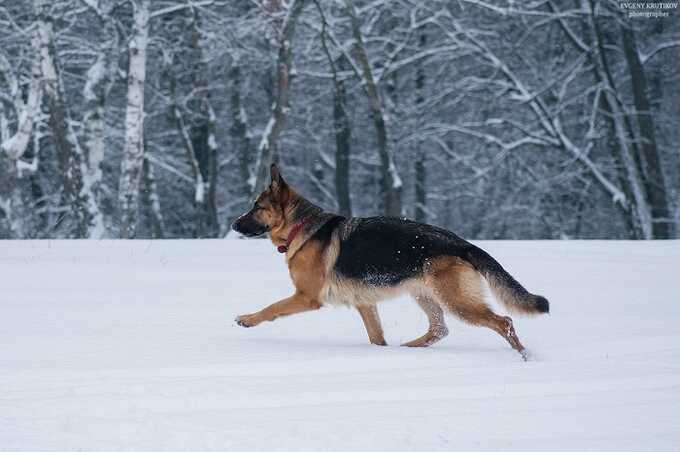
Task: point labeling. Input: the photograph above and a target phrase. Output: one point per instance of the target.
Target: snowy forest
(497, 119)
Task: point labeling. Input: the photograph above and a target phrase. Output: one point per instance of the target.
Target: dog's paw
(527, 355)
(246, 321)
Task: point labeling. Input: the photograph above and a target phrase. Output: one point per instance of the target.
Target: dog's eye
(257, 207)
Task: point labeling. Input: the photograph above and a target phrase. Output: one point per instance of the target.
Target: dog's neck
(302, 217)
(300, 208)
(294, 231)
(299, 213)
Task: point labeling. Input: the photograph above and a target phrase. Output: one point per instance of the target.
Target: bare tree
(152, 201)
(270, 136)
(654, 179)
(391, 184)
(240, 134)
(341, 125)
(420, 176)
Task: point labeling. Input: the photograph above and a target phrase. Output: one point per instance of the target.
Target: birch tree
(100, 78)
(77, 193)
(133, 151)
(15, 143)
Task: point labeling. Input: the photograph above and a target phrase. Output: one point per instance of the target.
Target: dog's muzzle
(247, 226)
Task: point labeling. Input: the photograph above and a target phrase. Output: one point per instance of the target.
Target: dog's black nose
(234, 226)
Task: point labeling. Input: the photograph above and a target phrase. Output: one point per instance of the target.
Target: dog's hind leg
(460, 291)
(437, 329)
(369, 314)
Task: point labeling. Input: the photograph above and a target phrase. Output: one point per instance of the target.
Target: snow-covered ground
(131, 346)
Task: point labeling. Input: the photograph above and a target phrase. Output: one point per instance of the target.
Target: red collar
(294, 231)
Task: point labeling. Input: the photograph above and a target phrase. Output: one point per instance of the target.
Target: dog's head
(269, 211)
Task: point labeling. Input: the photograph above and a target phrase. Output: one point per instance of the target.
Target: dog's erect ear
(277, 183)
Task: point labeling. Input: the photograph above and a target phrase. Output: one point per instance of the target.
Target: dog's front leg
(291, 305)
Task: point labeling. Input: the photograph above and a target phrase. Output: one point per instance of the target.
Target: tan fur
(437, 329)
(304, 270)
(369, 314)
(459, 289)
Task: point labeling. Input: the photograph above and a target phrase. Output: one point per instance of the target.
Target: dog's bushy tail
(506, 288)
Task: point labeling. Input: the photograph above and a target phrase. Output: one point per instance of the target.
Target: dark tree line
(498, 119)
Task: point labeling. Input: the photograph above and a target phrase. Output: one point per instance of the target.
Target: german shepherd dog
(361, 261)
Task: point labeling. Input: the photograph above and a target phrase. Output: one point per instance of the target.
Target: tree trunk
(611, 142)
(196, 173)
(391, 184)
(267, 147)
(93, 122)
(240, 138)
(343, 136)
(205, 138)
(213, 223)
(15, 145)
(625, 152)
(652, 172)
(152, 201)
(27, 111)
(341, 126)
(420, 210)
(99, 82)
(77, 195)
(12, 207)
(133, 150)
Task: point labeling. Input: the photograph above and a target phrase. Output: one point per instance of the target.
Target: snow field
(131, 345)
